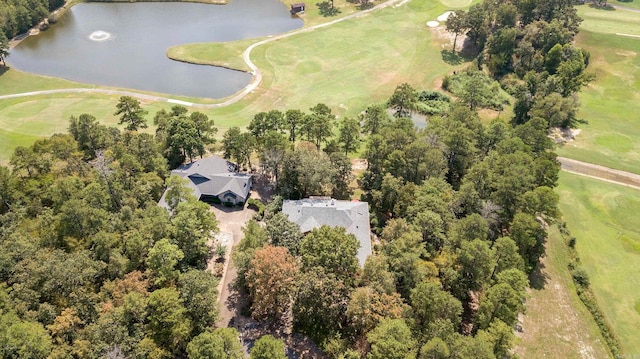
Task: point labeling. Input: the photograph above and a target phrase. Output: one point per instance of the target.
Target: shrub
(580, 277)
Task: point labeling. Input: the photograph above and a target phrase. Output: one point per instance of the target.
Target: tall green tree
(4, 47)
(430, 303)
(268, 347)
(283, 233)
(132, 114)
(332, 249)
(375, 118)
(194, 224)
(392, 339)
(403, 100)
(198, 290)
(168, 323)
(162, 261)
(349, 135)
(456, 23)
(222, 343)
(320, 304)
(293, 120)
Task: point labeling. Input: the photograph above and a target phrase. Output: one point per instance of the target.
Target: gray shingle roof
(353, 216)
(213, 176)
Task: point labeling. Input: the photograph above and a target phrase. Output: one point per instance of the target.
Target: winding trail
(602, 173)
(246, 55)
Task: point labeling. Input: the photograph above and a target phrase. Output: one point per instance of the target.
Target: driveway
(230, 222)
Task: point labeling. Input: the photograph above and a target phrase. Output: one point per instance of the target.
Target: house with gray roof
(215, 180)
(313, 213)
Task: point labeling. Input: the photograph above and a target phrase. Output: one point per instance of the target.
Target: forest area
(92, 267)
(18, 16)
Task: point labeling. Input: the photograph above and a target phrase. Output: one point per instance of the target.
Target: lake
(124, 44)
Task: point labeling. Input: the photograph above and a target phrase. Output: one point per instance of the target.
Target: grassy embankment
(556, 323)
(612, 102)
(347, 66)
(603, 218)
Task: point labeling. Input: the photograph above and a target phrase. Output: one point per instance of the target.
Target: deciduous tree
(392, 339)
(272, 283)
(332, 249)
(268, 347)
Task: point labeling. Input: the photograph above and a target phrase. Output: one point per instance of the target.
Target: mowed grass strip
(556, 324)
(611, 103)
(604, 219)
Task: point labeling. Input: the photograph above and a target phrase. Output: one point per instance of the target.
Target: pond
(124, 44)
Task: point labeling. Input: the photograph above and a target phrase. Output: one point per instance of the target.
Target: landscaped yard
(604, 219)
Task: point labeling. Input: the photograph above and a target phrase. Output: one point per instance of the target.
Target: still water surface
(124, 45)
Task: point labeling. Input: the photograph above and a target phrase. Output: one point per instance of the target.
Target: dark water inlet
(124, 44)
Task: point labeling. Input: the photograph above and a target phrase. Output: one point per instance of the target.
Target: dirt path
(600, 172)
(246, 55)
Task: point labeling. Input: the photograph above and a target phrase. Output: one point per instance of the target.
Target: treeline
(460, 209)
(528, 46)
(18, 16)
(90, 265)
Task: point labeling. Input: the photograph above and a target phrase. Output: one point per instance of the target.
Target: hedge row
(581, 280)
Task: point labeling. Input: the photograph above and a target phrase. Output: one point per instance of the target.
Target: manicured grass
(635, 4)
(611, 103)
(609, 21)
(604, 219)
(354, 63)
(556, 323)
(223, 54)
(14, 81)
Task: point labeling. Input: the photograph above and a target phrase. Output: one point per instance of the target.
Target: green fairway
(633, 4)
(604, 219)
(611, 103)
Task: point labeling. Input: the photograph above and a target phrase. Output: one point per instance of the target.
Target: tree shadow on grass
(4, 69)
(366, 5)
(452, 58)
(538, 277)
(606, 7)
(326, 9)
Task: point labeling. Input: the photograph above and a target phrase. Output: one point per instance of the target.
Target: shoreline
(206, 64)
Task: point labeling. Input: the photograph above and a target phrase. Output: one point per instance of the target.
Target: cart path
(602, 173)
(246, 55)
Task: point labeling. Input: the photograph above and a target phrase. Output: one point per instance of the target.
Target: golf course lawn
(611, 103)
(347, 66)
(603, 217)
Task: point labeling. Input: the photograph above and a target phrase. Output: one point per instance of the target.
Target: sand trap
(444, 16)
(432, 23)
